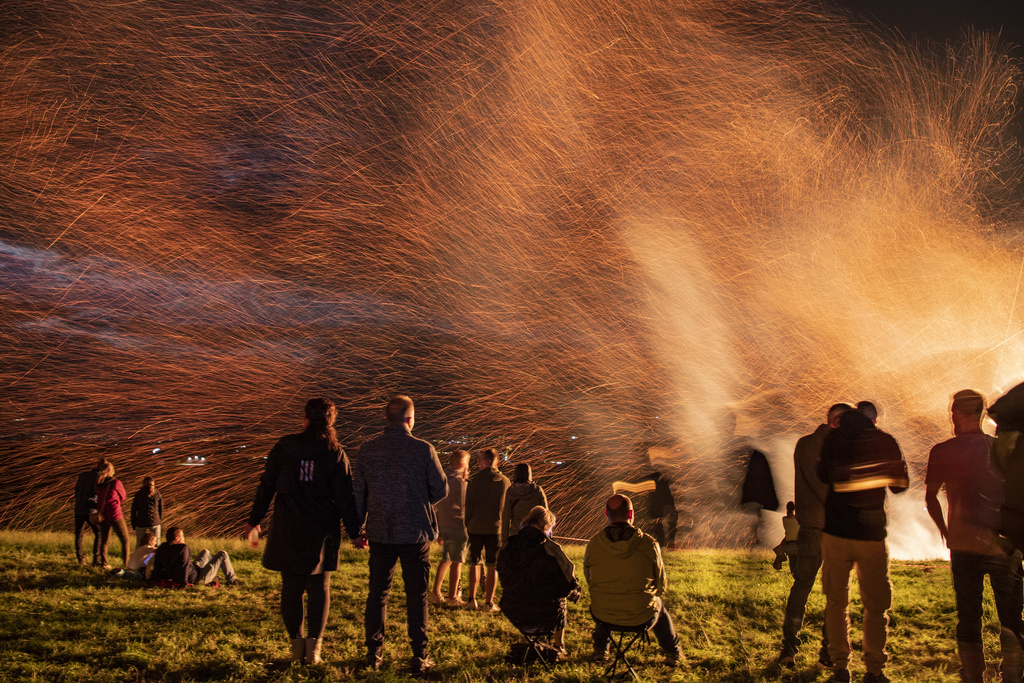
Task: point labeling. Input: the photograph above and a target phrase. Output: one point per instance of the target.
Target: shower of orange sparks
(544, 220)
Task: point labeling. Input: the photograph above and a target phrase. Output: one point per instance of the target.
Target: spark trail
(565, 228)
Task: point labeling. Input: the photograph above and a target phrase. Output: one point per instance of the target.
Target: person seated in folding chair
(626, 576)
(536, 580)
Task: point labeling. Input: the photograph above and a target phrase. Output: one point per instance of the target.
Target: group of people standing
(387, 503)
(842, 473)
(98, 507)
(480, 513)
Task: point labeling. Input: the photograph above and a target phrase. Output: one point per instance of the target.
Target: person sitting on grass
(786, 548)
(140, 558)
(537, 578)
(173, 562)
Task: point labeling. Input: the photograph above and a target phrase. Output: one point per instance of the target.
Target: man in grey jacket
(397, 480)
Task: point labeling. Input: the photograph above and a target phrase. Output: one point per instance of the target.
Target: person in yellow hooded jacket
(626, 576)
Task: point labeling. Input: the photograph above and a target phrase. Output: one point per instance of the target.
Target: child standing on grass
(787, 546)
(147, 510)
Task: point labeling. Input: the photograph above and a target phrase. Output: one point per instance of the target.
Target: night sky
(941, 20)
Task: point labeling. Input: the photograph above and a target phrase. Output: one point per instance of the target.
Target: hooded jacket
(109, 496)
(626, 575)
(485, 499)
(519, 500)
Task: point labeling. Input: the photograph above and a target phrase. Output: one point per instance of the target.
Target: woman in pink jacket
(109, 495)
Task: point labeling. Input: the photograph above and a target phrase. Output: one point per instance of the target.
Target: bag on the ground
(522, 653)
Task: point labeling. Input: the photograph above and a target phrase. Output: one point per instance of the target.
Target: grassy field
(62, 622)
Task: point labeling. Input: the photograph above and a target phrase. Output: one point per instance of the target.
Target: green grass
(62, 622)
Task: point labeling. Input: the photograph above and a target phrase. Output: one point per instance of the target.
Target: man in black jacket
(173, 562)
(859, 462)
(85, 505)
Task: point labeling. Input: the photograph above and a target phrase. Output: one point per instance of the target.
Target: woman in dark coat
(147, 511)
(309, 475)
(537, 578)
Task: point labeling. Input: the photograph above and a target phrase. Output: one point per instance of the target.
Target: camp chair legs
(622, 639)
(534, 641)
(620, 652)
(534, 648)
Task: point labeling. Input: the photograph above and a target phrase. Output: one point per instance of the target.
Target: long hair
(523, 473)
(106, 473)
(321, 414)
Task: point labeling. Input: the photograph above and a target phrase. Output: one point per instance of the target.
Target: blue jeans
(415, 559)
(804, 567)
(208, 566)
(1005, 575)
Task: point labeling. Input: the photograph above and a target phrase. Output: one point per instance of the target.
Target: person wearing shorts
(451, 525)
(485, 499)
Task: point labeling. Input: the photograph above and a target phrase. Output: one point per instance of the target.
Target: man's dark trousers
(805, 572)
(415, 560)
(82, 524)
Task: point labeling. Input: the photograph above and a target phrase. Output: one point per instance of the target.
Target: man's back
(397, 480)
(974, 491)
(624, 570)
(85, 492)
(485, 498)
(173, 562)
(859, 514)
(451, 510)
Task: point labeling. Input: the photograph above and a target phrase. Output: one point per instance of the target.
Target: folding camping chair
(623, 638)
(536, 649)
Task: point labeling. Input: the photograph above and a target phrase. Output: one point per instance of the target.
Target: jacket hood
(621, 540)
(523, 488)
(491, 474)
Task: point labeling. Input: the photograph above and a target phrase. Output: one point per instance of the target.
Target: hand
(359, 542)
(252, 534)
